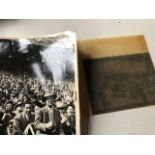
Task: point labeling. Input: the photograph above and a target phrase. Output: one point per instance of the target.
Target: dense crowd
(24, 95)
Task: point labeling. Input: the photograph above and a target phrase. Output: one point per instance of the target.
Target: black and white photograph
(38, 93)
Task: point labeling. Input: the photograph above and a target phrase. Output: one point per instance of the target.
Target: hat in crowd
(50, 97)
(27, 103)
(18, 104)
(37, 103)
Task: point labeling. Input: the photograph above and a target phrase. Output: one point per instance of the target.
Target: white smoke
(59, 58)
(23, 44)
(37, 70)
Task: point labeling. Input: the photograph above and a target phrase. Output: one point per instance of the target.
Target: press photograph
(38, 91)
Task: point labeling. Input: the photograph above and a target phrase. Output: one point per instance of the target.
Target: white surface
(134, 121)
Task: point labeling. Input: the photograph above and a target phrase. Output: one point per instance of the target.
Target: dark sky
(12, 59)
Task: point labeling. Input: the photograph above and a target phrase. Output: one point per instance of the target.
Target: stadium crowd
(28, 107)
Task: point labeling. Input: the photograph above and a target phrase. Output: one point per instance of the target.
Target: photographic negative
(38, 85)
(120, 82)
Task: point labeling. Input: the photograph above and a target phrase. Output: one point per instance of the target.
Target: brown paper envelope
(100, 48)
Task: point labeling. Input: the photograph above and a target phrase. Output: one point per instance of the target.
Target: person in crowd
(18, 108)
(8, 116)
(22, 120)
(68, 120)
(1, 122)
(38, 105)
(48, 120)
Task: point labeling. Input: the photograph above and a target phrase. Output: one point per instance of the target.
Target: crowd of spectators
(16, 90)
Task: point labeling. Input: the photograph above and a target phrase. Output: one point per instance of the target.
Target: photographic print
(38, 85)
